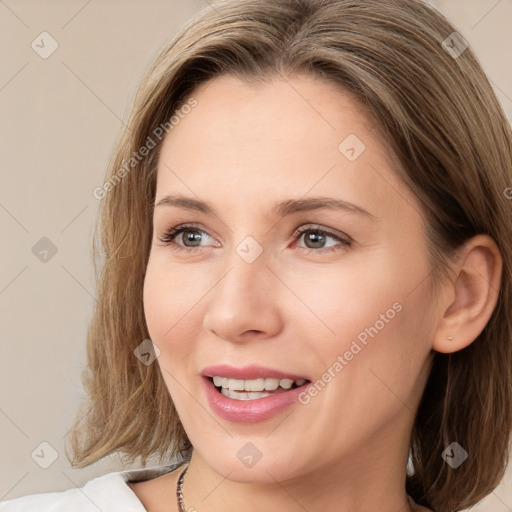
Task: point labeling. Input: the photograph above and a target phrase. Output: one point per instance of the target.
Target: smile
(246, 406)
(254, 389)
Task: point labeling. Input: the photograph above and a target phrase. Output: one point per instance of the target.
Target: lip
(250, 411)
(248, 372)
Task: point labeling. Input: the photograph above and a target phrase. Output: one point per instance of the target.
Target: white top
(107, 493)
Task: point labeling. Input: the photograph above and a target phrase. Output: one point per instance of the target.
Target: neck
(371, 478)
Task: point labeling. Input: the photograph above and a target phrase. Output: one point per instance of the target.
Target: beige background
(60, 117)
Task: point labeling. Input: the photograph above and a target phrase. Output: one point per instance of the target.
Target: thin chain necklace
(179, 491)
(181, 503)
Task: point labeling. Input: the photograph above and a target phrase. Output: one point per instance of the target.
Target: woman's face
(263, 276)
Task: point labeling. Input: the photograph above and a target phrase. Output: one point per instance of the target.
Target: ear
(473, 295)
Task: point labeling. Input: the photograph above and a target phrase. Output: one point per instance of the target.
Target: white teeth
(286, 383)
(220, 381)
(235, 384)
(253, 385)
(237, 395)
(271, 384)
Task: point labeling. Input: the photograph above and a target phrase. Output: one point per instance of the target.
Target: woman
(307, 276)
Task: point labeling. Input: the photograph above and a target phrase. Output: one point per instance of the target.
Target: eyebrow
(279, 210)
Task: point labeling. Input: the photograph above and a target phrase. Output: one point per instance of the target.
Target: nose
(244, 303)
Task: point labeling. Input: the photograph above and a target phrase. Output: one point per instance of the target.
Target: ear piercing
(449, 338)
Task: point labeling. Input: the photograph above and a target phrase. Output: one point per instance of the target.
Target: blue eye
(195, 235)
(320, 234)
(169, 236)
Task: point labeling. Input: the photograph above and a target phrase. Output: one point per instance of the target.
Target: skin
(243, 148)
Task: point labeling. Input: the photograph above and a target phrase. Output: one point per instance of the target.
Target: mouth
(252, 393)
(254, 389)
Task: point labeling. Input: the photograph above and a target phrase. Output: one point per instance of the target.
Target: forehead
(284, 112)
(245, 142)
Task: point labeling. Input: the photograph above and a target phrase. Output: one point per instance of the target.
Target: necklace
(181, 503)
(179, 491)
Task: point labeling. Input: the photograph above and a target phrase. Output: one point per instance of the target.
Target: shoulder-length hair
(406, 66)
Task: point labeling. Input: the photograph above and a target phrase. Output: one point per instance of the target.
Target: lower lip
(250, 411)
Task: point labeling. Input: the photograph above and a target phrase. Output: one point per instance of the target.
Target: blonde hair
(443, 123)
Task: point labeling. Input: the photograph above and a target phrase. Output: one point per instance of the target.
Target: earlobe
(473, 293)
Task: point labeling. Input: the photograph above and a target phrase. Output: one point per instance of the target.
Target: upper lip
(248, 372)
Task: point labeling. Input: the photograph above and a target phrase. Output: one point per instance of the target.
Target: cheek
(162, 303)
(385, 344)
(335, 304)
(155, 299)
(173, 301)
(372, 361)
(372, 314)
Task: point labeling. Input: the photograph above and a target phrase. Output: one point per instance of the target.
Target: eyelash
(168, 238)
